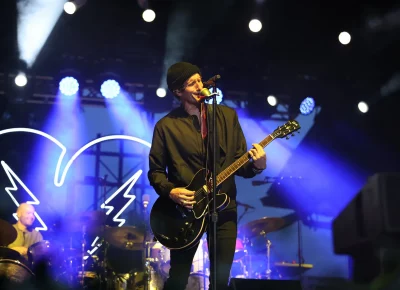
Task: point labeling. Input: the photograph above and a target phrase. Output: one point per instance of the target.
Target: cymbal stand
(248, 267)
(147, 245)
(104, 263)
(268, 272)
(83, 254)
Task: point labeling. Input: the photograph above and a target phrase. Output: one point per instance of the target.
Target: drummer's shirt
(25, 238)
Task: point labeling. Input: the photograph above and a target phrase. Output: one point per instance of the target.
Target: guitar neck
(231, 169)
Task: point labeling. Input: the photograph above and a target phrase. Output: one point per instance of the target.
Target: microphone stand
(214, 214)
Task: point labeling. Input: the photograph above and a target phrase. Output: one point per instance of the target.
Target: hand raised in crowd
(182, 196)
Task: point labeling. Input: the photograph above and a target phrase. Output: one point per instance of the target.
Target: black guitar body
(177, 227)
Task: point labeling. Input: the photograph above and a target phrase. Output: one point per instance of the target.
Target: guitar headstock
(286, 129)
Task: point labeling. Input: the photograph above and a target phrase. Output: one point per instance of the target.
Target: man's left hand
(259, 157)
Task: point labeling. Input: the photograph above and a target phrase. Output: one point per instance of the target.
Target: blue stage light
(307, 106)
(219, 97)
(110, 89)
(69, 86)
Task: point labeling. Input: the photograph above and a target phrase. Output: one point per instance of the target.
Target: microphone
(145, 199)
(245, 205)
(205, 94)
(211, 82)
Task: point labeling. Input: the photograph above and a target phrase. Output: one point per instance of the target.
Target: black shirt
(178, 150)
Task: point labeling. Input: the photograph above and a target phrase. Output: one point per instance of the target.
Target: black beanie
(178, 73)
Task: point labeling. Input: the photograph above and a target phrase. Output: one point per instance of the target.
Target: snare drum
(13, 267)
(44, 252)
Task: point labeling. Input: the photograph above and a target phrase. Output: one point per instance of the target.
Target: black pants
(181, 261)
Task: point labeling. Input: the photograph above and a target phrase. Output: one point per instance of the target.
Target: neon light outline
(60, 181)
(11, 176)
(129, 184)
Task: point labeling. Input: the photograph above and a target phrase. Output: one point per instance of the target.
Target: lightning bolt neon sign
(128, 185)
(12, 177)
(60, 179)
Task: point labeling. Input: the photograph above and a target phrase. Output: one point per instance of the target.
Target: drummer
(26, 236)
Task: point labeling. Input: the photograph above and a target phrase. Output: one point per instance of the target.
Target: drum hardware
(125, 238)
(260, 228)
(8, 233)
(84, 223)
(14, 268)
(291, 270)
(268, 272)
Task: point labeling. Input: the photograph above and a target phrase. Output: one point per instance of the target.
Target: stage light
(161, 92)
(272, 101)
(69, 86)
(363, 107)
(255, 25)
(219, 97)
(69, 7)
(21, 80)
(110, 89)
(307, 106)
(344, 38)
(148, 15)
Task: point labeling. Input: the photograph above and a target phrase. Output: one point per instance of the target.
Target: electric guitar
(177, 227)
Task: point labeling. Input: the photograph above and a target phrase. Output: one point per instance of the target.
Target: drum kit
(126, 258)
(65, 259)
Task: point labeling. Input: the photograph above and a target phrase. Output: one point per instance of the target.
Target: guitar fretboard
(241, 161)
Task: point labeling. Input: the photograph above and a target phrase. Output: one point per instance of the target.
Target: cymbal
(8, 233)
(261, 226)
(127, 238)
(90, 221)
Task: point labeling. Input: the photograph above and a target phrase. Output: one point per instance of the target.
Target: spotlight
(21, 80)
(363, 107)
(161, 92)
(255, 25)
(344, 38)
(110, 89)
(272, 101)
(69, 86)
(219, 97)
(307, 106)
(148, 15)
(69, 7)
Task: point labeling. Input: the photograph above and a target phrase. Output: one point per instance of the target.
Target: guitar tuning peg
(292, 134)
(298, 132)
(287, 137)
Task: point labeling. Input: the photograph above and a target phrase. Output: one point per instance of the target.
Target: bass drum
(137, 281)
(13, 269)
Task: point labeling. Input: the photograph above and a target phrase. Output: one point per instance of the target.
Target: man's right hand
(182, 196)
(22, 250)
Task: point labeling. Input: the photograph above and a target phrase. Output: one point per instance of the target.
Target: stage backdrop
(62, 187)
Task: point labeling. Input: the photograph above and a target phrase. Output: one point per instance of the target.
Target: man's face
(191, 90)
(26, 215)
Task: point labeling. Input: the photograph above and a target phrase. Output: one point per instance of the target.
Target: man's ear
(178, 93)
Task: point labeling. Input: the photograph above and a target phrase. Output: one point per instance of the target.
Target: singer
(181, 146)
